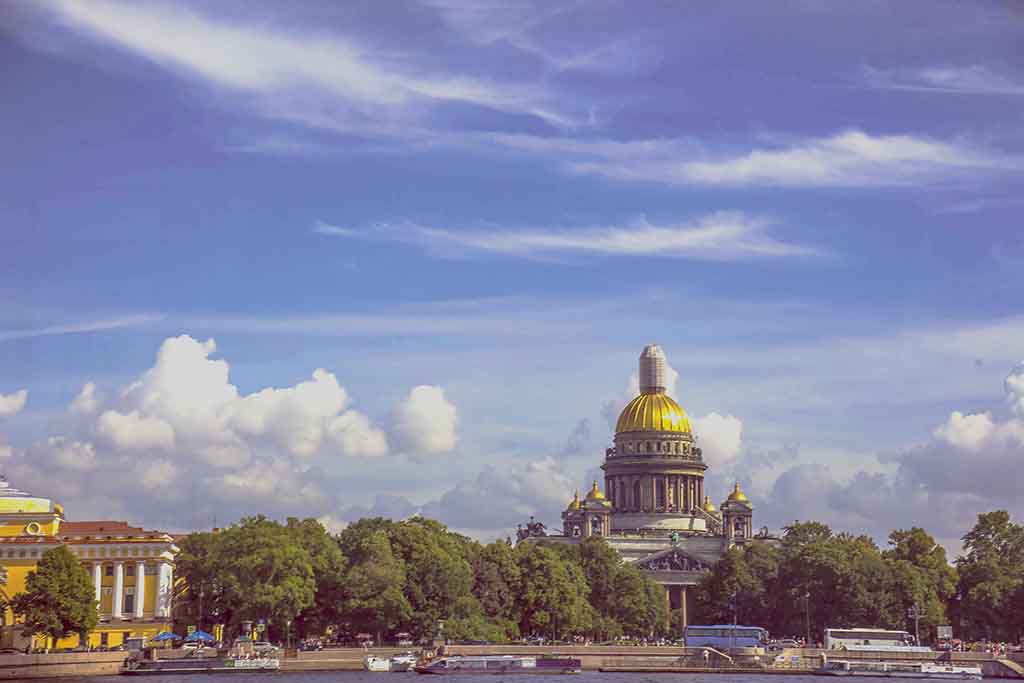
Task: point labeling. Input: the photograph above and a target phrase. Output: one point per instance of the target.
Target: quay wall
(18, 667)
(594, 657)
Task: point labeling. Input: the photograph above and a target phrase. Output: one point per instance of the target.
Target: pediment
(672, 560)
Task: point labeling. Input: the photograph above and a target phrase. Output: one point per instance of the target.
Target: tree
(991, 577)
(329, 567)
(59, 597)
(495, 578)
(374, 598)
(552, 593)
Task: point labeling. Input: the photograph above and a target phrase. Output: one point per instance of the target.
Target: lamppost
(288, 631)
(915, 613)
(807, 617)
(732, 638)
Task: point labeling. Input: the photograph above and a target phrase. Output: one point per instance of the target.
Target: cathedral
(654, 510)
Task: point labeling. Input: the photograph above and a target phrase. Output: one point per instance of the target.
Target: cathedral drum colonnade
(654, 510)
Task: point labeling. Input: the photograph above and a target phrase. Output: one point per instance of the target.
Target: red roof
(104, 528)
(28, 540)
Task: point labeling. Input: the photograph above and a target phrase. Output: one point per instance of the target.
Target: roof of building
(107, 529)
(574, 504)
(655, 412)
(708, 505)
(595, 493)
(738, 496)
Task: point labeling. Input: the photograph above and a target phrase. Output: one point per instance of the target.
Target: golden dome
(595, 493)
(738, 496)
(708, 505)
(575, 503)
(653, 412)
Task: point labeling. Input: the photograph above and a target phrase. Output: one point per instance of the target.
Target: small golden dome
(708, 505)
(738, 496)
(654, 412)
(574, 504)
(595, 493)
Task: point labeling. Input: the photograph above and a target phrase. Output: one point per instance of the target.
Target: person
(707, 658)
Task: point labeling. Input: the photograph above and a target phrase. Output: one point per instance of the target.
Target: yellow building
(132, 568)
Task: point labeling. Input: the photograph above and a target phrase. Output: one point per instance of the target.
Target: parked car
(783, 644)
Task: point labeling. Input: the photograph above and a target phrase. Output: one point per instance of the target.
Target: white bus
(859, 638)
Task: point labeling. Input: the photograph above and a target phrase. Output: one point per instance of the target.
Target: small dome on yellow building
(708, 505)
(574, 504)
(653, 413)
(595, 493)
(738, 496)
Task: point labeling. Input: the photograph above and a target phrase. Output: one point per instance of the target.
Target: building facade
(132, 568)
(654, 510)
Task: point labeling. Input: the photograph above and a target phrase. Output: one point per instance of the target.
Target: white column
(97, 581)
(116, 610)
(163, 590)
(140, 588)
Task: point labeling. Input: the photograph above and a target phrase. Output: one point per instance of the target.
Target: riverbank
(646, 660)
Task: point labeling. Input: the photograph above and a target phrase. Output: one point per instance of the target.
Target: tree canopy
(59, 597)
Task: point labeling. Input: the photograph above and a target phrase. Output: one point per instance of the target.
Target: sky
(343, 259)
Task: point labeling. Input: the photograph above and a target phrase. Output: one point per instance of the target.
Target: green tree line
(383, 577)
(816, 578)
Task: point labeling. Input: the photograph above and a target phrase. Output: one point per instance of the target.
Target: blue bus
(724, 636)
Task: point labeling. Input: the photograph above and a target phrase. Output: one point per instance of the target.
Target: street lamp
(807, 617)
(732, 638)
(915, 613)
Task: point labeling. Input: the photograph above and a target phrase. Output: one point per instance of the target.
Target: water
(366, 677)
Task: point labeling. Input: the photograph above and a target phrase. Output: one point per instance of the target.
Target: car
(191, 645)
(783, 644)
(263, 646)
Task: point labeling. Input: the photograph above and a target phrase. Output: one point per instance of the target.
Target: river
(365, 677)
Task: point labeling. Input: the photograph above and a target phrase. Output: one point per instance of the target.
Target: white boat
(397, 664)
(377, 664)
(839, 667)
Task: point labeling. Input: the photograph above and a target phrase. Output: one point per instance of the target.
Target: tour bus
(724, 636)
(868, 639)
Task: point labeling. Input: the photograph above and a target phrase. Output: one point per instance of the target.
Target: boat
(400, 663)
(200, 665)
(501, 664)
(839, 667)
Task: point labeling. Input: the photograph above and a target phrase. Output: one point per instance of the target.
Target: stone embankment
(593, 658)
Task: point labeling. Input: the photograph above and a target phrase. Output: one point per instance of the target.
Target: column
(115, 611)
(140, 588)
(654, 493)
(163, 590)
(97, 581)
(682, 599)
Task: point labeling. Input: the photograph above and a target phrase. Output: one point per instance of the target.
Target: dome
(653, 413)
(738, 496)
(595, 493)
(574, 504)
(708, 505)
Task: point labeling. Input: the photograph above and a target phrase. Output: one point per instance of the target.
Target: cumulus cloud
(720, 438)
(1014, 386)
(11, 404)
(131, 431)
(188, 440)
(86, 402)
(425, 422)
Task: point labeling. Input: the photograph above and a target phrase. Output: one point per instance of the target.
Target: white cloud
(849, 158)
(968, 432)
(86, 402)
(12, 404)
(425, 422)
(720, 438)
(131, 431)
(718, 236)
(304, 76)
(60, 453)
(959, 80)
(1014, 385)
(353, 433)
(80, 327)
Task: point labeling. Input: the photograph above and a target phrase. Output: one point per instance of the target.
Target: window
(129, 570)
(636, 495)
(103, 639)
(129, 601)
(660, 486)
(110, 570)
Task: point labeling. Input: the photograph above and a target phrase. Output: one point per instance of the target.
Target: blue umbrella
(199, 635)
(165, 635)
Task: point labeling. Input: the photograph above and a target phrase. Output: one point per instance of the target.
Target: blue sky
(473, 216)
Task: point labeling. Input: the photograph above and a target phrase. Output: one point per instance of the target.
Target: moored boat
(501, 664)
(838, 667)
(400, 663)
(200, 665)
